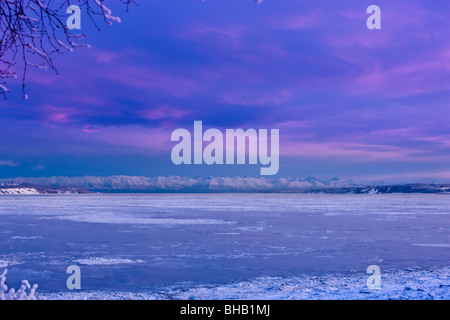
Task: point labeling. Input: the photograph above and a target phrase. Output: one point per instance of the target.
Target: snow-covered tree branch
(20, 294)
(32, 31)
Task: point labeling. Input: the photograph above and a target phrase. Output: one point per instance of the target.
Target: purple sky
(349, 102)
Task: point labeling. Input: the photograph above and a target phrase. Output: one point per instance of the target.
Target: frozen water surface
(220, 246)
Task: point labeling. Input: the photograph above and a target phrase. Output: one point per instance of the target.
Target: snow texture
(228, 246)
(414, 283)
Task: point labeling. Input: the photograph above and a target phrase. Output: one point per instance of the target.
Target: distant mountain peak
(177, 183)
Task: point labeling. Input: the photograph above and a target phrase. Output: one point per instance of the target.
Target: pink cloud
(413, 77)
(149, 140)
(88, 128)
(55, 115)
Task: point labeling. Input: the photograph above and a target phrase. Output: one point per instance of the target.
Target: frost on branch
(31, 31)
(21, 294)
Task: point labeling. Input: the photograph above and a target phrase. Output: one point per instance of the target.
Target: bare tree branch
(32, 31)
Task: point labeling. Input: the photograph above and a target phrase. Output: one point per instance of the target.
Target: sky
(353, 103)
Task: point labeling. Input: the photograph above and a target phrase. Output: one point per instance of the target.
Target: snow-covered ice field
(228, 246)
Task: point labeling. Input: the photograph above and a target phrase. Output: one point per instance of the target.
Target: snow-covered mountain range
(182, 184)
(128, 184)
